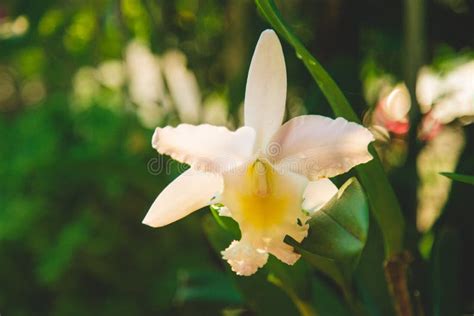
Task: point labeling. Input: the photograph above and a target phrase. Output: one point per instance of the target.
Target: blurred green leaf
(327, 299)
(459, 177)
(369, 278)
(295, 281)
(206, 285)
(380, 194)
(58, 258)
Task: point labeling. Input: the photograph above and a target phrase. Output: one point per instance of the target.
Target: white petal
(283, 252)
(205, 147)
(189, 192)
(428, 88)
(319, 147)
(318, 193)
(455, 106)
(265, 94)
(460, 78)
(398, 103)
(243, 258)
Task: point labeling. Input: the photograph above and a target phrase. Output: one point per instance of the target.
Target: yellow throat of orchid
(262, 202)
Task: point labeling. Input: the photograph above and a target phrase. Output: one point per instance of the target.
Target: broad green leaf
(339, 230)
(337, 235)
(459, 177)
(382, 199)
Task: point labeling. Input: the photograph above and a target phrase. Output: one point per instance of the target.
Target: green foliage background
(74, 185)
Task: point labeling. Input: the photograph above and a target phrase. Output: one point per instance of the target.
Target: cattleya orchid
(268, 177)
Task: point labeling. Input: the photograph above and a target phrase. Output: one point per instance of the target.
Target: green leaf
(295, 281)
(326, 298)
(459, 177)
(338, 231)
(205, 285)
(337, 235)
(382, 199)
(369, 277)
(226, 223)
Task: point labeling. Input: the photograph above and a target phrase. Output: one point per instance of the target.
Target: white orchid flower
(268, 177)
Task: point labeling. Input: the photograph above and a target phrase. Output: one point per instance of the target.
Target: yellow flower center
(263, 204)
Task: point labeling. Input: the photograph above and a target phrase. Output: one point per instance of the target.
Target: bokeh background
(84, 83)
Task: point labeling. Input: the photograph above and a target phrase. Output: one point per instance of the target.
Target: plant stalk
(396, 269)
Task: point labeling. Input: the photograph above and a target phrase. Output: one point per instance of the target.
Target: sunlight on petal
(319, 147)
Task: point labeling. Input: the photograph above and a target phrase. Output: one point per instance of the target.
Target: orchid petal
(265, 93)
(205, 147)
(398, 103)
(189, 192)
(428, 88)
(319, 147)
(243, 258)
(456, 106)
(317, 194)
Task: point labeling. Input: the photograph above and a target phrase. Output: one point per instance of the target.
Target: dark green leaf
(369, 276)
(446, 275)
(295, 281)
(206, 285)
(339, 230)
(337, 236)
(459, 177)
(327, 299)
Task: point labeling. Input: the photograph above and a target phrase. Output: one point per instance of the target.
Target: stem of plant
(396, 274)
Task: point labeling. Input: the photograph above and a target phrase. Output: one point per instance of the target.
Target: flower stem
(396, 268)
